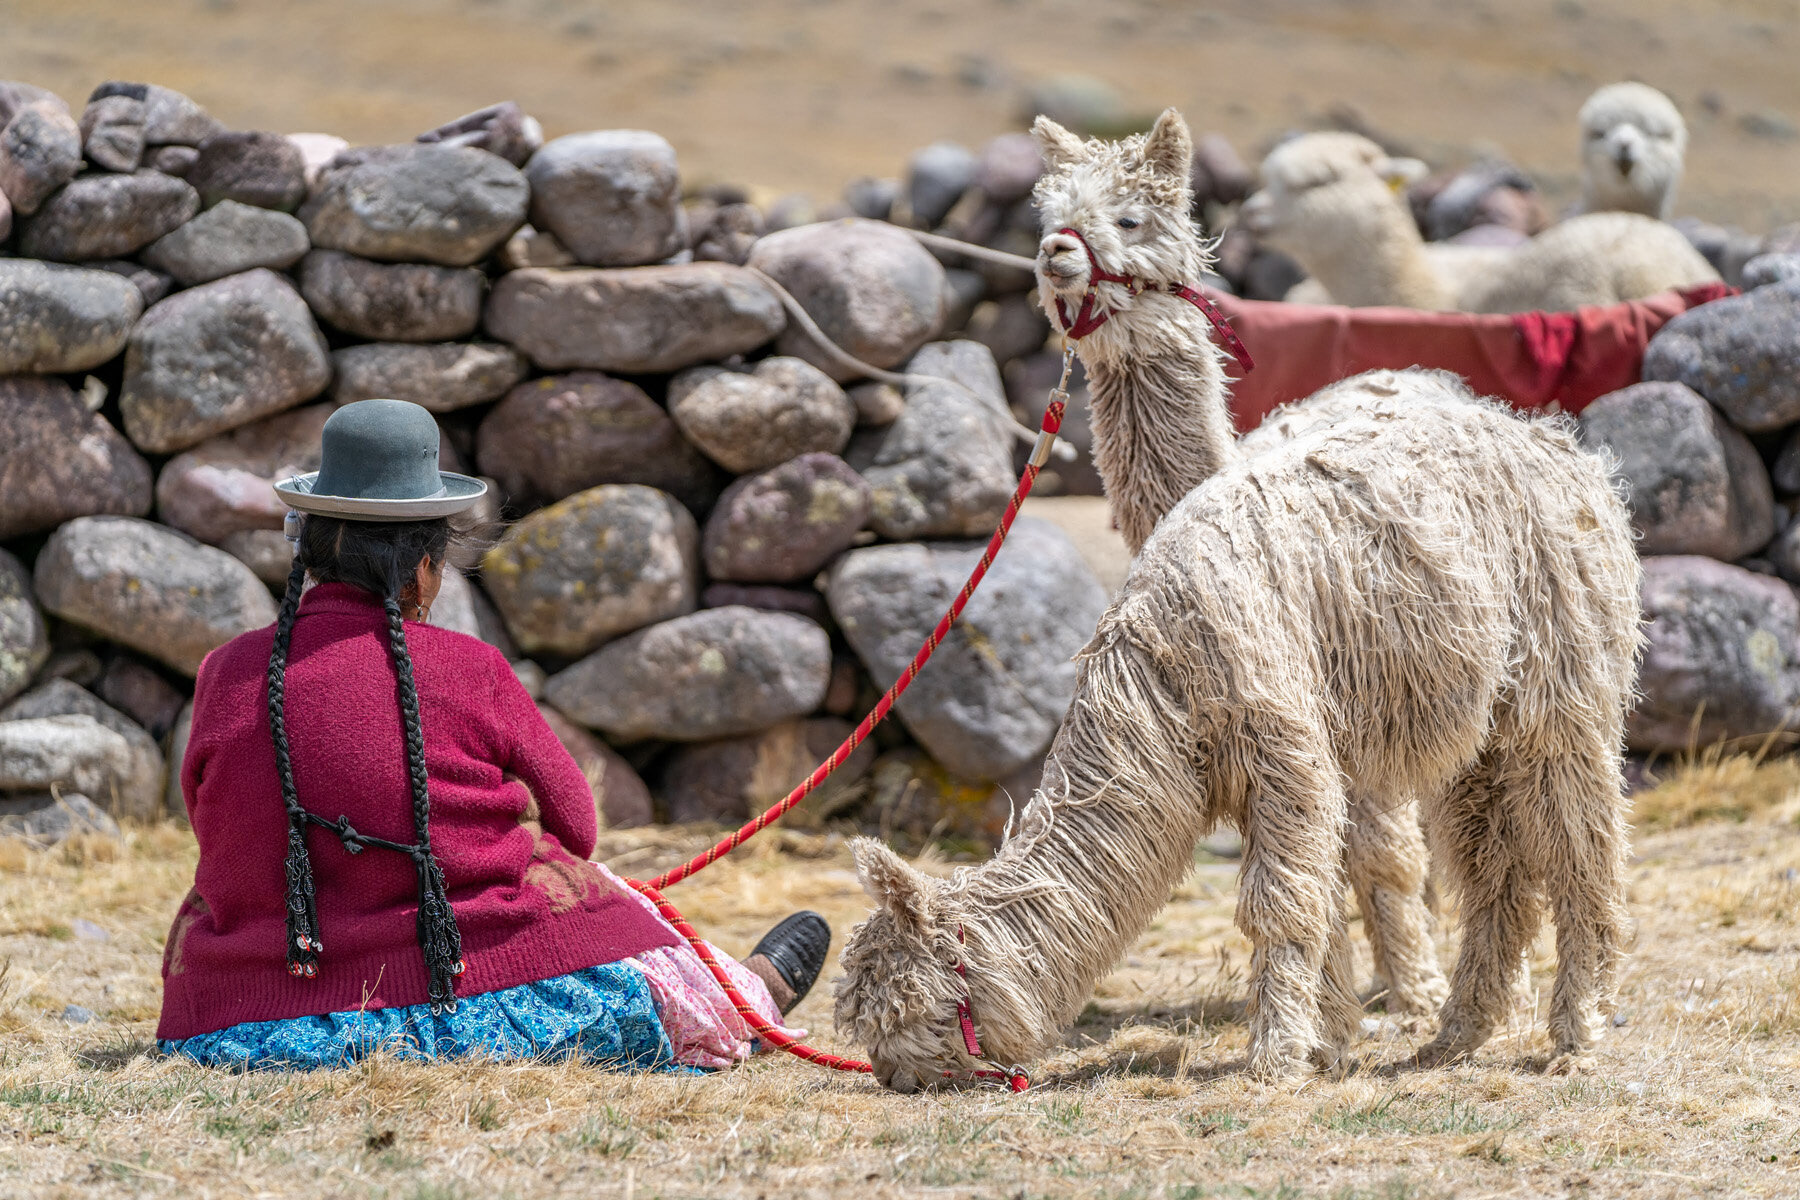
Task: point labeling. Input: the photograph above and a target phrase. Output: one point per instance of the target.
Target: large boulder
(443, 377)
(149, 587)
(266, 170)
(70, 753)
(871, 288)
(786, 523)
(996, 690)
(643, 321)
(711, 674)
(112, 132)
(1697, 485)
(140, 692)
(621, 801)
(62, 319)
(392, 302)
(589, 568)
(136, 791)
(40, 151)
(1723, 657)
(225, 484)
(750, 420)
(613, 197)
(225, 239)
(170, 118)
(24, 643)
(450, 205)
(1742, 353)
(732, 779)
(101, 215)
(59, 461)
(47, 819)
(219, 356)
(460, 606)
(555, 436)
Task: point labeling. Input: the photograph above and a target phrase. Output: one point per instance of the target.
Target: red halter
(1087, 318)
(1015, 1078)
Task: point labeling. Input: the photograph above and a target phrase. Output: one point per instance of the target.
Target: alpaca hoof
(1439, 1054)
(1334, 1063)
(1570, 1063)
(1279, 1069)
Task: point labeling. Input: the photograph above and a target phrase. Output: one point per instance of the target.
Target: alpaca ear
(1058, 146)
(1401, 173)
(1170, 147)
(891, 883)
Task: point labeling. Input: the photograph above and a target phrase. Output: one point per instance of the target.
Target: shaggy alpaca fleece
(1431, 598)
(1632, 143)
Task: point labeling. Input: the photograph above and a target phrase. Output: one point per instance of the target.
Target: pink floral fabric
(702, 1023)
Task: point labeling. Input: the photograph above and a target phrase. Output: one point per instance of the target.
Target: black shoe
(796, 948)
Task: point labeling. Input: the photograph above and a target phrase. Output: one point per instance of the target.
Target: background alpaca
(1330, 201)
(1161, 428)
(1437, 601)
(1632, 143)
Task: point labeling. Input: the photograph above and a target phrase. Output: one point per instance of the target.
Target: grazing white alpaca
(1632, 143)
(1437, 599)
(1330, 200)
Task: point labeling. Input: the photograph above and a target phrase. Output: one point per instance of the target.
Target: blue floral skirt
(602, 1015)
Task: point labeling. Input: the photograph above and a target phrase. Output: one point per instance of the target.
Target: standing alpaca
(1435, 599)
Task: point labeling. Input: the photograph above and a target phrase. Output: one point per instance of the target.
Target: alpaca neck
(1160, 420)
(1388, 266)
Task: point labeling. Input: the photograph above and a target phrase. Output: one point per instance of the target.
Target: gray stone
(225, 484)
(225, 239)
(1786, 471)
(644, 321)
(1011, 327)
(130, 786)
(173, 797)
(1765, 269)
(265, 551)
(533, 248)
(1079, 102)
(392, 302)
(59, 461)
(596, 565)
(1009, 168)
(62, 319)
(171, 160)
(750, 420)
(40, 151)
(562, 434)
(1697, 485)
(24, 643)
(730, 780)
(944, 468)
(786, 523)
(265, 170)
(218, 356)
(872, 290)
(802, 601)
(872, 198)
(1742, 353)
(150, 588)
(998, 687)
(963, 290)
(936, 179)
(47, 820)
(443, 377)
(151, 284)
(1028, 384)
(107, 216)
(461, 608)
(74, 1014)
(716, 673)
(503, 129)
(170, 118)
(139, 692)
(621, 801)
(6, 217)
(877, 404)
(450, 205)
(613, 197)
(112, 132)
(16, 94)
(729, 235)
(1723, 656)
(71, 753)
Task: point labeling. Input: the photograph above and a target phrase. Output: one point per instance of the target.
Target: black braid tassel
(439, 938)
(303, 944)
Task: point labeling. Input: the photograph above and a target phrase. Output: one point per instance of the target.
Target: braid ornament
(303, 945)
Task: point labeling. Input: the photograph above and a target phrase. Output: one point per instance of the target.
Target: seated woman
(393, 843)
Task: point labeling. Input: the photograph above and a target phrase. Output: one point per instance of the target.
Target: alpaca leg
(1340, 1015)
(1388, 867)
(1485, 857)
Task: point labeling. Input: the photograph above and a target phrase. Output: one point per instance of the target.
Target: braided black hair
(381, 558)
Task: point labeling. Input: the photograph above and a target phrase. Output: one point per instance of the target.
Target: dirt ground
(806, 94)
(1696, 1092)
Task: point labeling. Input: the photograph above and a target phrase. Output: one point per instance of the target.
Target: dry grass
(1695, 1094)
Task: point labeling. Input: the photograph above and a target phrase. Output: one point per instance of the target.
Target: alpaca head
(1129, 200)
(1632, 143)
(900, 988)
(1325, 194)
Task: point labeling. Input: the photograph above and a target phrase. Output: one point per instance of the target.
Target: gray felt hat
(379, 462)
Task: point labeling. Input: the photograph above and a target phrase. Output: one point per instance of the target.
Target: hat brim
(460, 492)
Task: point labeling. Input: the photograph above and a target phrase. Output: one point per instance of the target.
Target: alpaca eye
(1129, 222)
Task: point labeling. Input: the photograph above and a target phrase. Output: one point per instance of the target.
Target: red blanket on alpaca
(1531, 360)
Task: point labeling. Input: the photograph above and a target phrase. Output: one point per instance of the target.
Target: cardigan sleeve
(565, 801)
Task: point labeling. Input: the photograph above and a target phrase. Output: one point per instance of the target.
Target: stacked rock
(714, 545)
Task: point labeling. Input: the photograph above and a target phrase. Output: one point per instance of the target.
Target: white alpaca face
(1324, 194)
(1632, 144)
(900, 988)
(1128, 200)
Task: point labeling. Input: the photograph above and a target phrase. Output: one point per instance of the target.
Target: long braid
(439, 938)
(302, 911)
